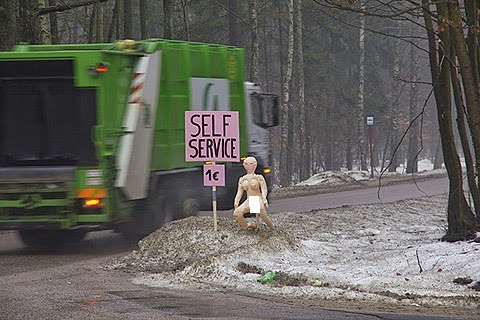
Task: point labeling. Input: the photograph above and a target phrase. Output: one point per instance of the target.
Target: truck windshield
(44, 119)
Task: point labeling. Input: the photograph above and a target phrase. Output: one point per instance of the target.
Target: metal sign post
(370, 122)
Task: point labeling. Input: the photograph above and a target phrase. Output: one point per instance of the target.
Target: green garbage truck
(92, 136)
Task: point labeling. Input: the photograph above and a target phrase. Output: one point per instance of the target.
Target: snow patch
(384, 252)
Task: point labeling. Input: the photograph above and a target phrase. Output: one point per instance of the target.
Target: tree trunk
(232, 23)
(144, 21)
(472, 8)
(185, 20)
(395, 106)
(286, 152)
(53, 23)
(438, 160)
(348, 154)
(266, 45)
(458, 207)
(280, 38)
(75, 32)
(127, 19)
(114, 22)
(327, 135)
(43, 24)
(26, 21)
(462, 130)
(100, 22)
(89, 22)
(167, 19)
(471, 12)
(304, 145)
(361, 92)
(470, 88)
(254, 41)
(414, 132)
(8, 33)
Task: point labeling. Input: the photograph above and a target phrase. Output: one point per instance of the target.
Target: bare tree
(168, 19)
(394, 108)
(458, 213)
(127, 19)
(254, 41)
(462, 131)
(53, 23)
(447, 46)
(114, 22)
(100, 22)
(26, 21)
(286, 152)
(232, 23)
(144, 20)
(414, 132)
(304, 150)
(186, 25)
(471, 91)
(7, 20)
(62, 6)
(361, 91)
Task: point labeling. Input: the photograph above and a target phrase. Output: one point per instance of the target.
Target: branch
(420, 115)
(67, 6)
(418, 260)
(230, 11)
(338, 5)
(371, 30)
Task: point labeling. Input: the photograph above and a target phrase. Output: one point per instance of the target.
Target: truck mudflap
(40, 196)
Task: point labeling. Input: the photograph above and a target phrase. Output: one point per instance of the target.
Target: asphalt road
(69, 283)
(387, 191)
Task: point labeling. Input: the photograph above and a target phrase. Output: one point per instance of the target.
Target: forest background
(333, 63)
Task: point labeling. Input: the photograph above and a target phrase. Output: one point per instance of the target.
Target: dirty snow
(385, 253)
(333, 178)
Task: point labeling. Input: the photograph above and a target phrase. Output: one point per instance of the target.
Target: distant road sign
(369, 121)
(212, 136)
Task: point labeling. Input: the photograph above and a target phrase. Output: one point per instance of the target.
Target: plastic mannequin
(254, 185)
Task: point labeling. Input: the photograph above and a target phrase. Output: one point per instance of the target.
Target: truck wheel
(149, 215)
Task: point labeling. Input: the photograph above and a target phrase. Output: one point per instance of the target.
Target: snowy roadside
(332, 181)
(383, 253)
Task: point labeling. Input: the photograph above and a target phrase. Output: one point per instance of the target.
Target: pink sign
(212, 136)
(214, 175)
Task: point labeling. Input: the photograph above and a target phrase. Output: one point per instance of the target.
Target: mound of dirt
(183, 243)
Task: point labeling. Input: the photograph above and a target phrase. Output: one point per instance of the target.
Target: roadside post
(212, 136)
(370, 121)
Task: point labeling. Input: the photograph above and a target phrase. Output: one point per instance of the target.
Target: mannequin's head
(250, 164)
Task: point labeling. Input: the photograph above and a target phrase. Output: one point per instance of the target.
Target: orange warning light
(102, 67)
(92, 203)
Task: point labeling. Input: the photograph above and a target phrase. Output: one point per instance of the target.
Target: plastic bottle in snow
(267, 277)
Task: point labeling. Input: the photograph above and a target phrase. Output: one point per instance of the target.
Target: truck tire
(149, 215)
